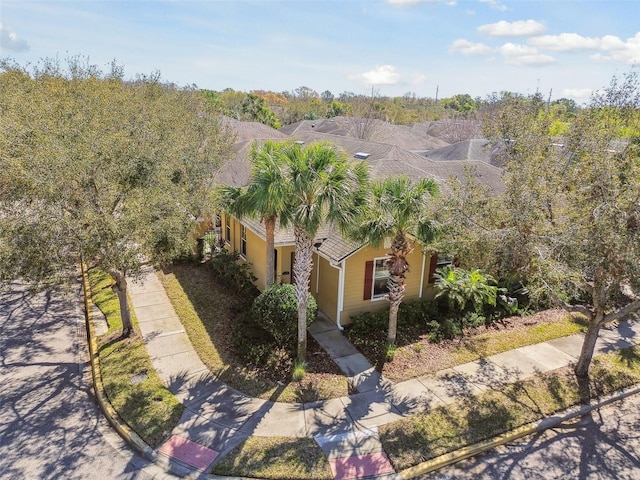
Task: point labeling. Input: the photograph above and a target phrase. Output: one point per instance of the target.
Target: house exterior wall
(256, 255)
(324, 286)
(324, 280)
(354, 301)
(284, 269)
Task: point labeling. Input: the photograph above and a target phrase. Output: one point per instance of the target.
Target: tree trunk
(398, 268)
(584, 361)
(396, 287)
(302, 272)
(120, 288)
(270, 227)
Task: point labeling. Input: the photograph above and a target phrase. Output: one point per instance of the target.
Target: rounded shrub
(276, 310)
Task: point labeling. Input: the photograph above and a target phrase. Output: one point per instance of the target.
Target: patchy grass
(472, 419)
(417, 355)
(491, 343)
(279, 458)
(130, 382)
(210, 311)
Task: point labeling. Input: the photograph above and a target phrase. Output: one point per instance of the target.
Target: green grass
(495, 342)
(207, 310)
(471, 419)
(279, 458)
(146, 406)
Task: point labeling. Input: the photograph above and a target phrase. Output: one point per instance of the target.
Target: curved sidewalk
(217, 417)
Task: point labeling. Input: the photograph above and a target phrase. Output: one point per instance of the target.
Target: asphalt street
(50, 426)
(608, 448)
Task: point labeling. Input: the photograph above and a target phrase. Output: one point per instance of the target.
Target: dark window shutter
(433, 264)
(368, 280)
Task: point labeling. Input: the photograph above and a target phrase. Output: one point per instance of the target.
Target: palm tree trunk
(396, 294)
(120, 288)
(302, 273)
(398, 268)
(270, 227)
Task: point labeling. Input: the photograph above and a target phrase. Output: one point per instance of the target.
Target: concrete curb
(122, 428)
(546, 423)
(125, 432)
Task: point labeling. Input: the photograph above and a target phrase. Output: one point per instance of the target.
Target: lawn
(472, 419)
(130, 382)
(214, 317)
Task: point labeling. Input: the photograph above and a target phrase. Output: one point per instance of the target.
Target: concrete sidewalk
(217, 417)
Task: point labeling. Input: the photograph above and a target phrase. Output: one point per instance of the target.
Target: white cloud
(629, 52)
(469, 48)
(381, 75)
(577, 93)
(515, 54)
(519, 28)
(10, 42)
(565, 42)
(496, 5)
(612, 47)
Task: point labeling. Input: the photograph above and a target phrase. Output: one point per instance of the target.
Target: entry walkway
(217, 417)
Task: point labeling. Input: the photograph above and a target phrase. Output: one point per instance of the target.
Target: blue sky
(569, 48)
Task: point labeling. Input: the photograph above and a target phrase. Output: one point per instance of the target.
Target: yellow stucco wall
(324, 278)
(354, 281)
(324, 286)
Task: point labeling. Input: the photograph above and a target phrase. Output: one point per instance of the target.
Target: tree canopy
(99, 168)
(568, 223)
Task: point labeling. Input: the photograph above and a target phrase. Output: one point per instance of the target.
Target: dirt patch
(423, 357)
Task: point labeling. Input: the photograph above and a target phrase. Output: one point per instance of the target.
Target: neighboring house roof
(384, 160)
(474, 149)
(247, 131)
(409, 137)
(389, 160)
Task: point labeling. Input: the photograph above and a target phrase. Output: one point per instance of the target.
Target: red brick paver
(186, 451)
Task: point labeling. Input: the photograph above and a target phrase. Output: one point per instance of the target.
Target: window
(227, 228)
(243, 240)
(438, 261)
(380, 277)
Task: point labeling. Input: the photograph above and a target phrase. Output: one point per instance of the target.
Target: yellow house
(347, 277)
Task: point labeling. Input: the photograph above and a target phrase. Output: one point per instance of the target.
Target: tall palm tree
(325, 186)
(265, 197)
(397, 209)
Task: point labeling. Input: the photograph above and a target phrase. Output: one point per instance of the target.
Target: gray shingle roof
(409, 137)
(384, 160)
(329, 243)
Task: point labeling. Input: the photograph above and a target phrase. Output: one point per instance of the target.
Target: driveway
(50, 426)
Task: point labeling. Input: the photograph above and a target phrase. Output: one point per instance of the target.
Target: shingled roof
(384, 160)
(328, 242)
(408, 137)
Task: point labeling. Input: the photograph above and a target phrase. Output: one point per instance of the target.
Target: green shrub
(230, 271)
(444, 329)
(276, 310)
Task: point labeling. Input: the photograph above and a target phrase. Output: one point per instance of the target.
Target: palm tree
(264, 197)
(324, 187)
(397, 209)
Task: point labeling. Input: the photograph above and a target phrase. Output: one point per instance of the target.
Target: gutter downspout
(424, 256)
(340, 269)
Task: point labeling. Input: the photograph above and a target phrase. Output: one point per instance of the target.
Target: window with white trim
(227, 229)
(380, 278)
